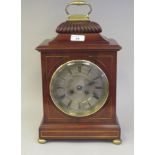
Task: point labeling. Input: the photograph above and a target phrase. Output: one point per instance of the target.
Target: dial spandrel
(79, 88)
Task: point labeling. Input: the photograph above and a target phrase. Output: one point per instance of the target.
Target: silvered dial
(79, 88)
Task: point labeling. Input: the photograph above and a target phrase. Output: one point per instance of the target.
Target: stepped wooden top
(93, 42)
(91, 32)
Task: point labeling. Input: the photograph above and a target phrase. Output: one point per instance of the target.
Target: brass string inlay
(68, 131)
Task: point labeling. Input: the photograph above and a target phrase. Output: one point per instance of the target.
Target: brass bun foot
(42, 141)
(117, 141)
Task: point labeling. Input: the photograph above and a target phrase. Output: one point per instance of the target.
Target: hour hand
(91, 83)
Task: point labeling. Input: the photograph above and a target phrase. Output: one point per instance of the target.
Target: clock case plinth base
(86, 131)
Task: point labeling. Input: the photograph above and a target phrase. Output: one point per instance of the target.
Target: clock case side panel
(43, 86)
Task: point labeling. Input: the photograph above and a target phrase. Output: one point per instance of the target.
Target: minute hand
(93, 81)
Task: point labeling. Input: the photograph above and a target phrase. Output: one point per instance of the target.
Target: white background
(39, 21)
(10, 100)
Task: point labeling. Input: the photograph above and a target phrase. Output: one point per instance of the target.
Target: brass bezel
(88, 112)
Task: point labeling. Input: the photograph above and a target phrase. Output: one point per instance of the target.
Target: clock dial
(79, 88)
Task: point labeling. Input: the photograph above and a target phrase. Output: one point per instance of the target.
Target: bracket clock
(79, 82)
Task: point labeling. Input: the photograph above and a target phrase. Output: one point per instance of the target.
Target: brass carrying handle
(78, 3)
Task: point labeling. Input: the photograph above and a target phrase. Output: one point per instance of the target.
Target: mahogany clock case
(100, 125)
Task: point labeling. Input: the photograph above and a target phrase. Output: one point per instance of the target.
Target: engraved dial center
(76, 87)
